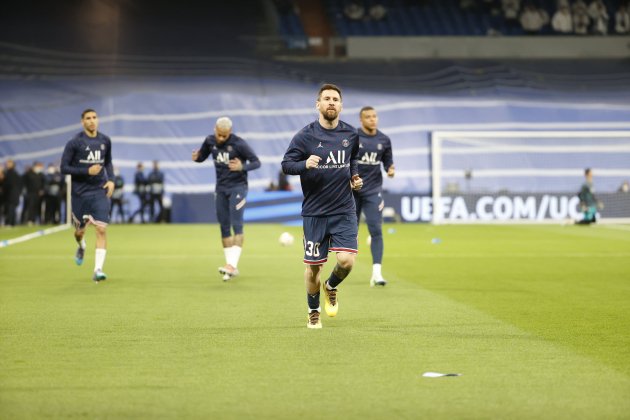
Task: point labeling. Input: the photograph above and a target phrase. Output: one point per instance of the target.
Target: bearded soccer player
(375, 150)
(325, 154)
(233, 158)
(87, 158)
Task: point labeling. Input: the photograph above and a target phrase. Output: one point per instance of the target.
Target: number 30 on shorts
(311, 248)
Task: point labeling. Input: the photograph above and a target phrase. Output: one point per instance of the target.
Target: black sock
(313, 301)
(333, 281)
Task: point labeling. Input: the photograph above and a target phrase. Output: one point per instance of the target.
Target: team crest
(229, 148)
(379, 146)
(345, 143)
(102, 147)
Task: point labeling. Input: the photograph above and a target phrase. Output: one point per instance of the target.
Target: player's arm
(201, 154)
(355, 182)
(66, 162)
(388, 159)
(252, 161)
(295, 159)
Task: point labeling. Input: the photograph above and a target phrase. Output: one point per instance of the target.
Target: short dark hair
(366, 108)
(587, 171)
(86, 111)
(328, 86)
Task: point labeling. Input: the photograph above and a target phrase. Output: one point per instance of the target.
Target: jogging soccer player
(375, 149)
(325, 154)
(233, 158)
(87, 158)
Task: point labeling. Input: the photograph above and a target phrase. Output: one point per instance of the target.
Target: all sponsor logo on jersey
(223, 157)
(369, 158)
(94, 156)
(336, 157)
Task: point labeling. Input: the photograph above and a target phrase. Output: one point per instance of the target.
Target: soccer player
(233, 158)
(325, 155)
(87, 158)
(588, 201)
(376, 149)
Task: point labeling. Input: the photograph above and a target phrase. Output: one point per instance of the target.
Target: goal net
(530, 176)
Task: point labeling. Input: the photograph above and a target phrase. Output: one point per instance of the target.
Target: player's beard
(330, 116)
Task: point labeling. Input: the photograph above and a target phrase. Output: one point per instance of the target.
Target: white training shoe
(377, 281)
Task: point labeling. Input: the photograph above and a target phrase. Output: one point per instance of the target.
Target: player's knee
(101, 230)
(375, 229)
(345, 260)
(313, 269)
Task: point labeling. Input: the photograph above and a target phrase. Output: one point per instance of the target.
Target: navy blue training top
(81, 152)
(374, 151)
(233, 147)
(326, 188)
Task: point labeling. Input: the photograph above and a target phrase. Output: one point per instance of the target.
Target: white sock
(82, 243)
(236, 255)
(376, 271)
(228, 254)
(99, 258)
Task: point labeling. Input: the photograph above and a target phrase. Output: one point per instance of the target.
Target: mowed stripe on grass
(165, 337)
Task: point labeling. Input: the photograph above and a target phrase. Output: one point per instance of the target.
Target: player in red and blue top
(87, 158)
(233, 158)
(375, 150)
(325, 155)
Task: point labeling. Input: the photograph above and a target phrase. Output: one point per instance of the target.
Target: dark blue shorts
(92, 209)
(230, 207)
(372, 206)
(336, 233)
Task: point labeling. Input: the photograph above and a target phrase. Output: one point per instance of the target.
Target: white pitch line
(6, 242)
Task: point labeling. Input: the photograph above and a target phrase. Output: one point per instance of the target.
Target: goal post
(527, 176)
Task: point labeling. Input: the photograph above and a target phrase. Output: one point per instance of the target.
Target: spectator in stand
(622, 19)
(624, 187)
(354, 11)
(12, 187)
(597, 11)
(378, 11)
(562, 21)
(579, 4)
(581, 21)
(510, 12)
(533, 19)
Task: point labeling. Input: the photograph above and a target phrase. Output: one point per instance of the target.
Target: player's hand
(356, 182)
(391, 171)
(235, 165)
(110, 188)
(195, 155)
(95, 169)
(312, 161)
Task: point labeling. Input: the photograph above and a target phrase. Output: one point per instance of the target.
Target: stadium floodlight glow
(526, 176)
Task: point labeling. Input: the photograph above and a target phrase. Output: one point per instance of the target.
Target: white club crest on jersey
(336, 157)
(345, 143)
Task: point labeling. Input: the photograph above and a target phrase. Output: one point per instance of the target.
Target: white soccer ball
(286, 239)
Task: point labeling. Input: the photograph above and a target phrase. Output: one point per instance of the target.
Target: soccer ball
(286, 239)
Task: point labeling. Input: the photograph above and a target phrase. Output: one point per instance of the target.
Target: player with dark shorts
(233, 158)
(376, 150)
(87, 158)
(325, 155)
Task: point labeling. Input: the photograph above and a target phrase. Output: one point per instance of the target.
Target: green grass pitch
(535, 318)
